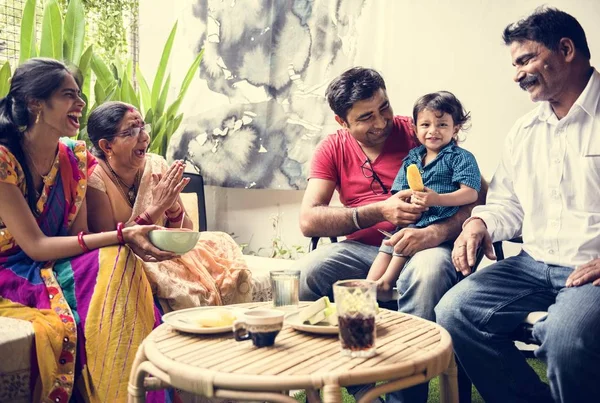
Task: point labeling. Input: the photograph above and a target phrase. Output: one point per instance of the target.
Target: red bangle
(147, 218)
(82, 244)
(141, 221)
(120, 233)
(176, 211)
(176, 219)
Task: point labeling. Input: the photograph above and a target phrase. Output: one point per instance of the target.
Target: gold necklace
(129, 192)
(45, 178)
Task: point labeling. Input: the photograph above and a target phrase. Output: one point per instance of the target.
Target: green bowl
(174, 240)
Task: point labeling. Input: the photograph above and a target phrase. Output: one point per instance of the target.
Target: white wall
(419, 46)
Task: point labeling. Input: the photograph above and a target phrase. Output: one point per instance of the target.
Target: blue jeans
(481, 312)
(422, 283)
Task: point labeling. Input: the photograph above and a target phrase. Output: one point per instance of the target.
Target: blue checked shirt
(452, 166)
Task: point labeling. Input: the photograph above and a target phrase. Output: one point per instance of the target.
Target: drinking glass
(356, 304)
(285, 285)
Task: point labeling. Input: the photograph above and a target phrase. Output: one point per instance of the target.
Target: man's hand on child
(426, 198)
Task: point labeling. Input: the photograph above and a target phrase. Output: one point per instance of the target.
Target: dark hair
(355, 84)
(548, 26)
(104, 123)
(445, 102)
(36, 79)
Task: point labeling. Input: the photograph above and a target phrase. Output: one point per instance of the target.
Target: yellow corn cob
(415, 182)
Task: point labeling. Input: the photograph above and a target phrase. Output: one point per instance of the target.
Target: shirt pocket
(590, 136)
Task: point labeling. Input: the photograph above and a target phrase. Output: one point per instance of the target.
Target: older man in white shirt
(547, 190)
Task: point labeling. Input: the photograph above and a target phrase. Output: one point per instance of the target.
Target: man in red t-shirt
(360, 161)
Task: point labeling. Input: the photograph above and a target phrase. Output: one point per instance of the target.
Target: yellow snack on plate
(215, 318)
(415, 181)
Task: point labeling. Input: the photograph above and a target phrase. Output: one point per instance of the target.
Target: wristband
(82, 244)
(355, 218)
(120, 233)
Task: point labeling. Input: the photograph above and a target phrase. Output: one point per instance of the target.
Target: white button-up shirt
(547, 186)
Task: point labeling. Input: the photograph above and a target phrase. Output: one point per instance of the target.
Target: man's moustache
(529, 79)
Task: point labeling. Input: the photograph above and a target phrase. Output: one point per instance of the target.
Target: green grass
(434, 387)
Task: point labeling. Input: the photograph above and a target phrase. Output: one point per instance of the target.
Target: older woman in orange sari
(137, 187)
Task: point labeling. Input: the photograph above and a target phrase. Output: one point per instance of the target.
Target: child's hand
(426, 198)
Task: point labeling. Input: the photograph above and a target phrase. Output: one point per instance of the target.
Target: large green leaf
(128, 93)
(175, 126)
(52, 42)
(158, 130)
(74, 34)
(145, 96)
(4, 79)
(103, 73)
(85, 66)
(191, 73)
(159, 106)
(28, 48)
(149, 116)
(162, 67)
(99, 93)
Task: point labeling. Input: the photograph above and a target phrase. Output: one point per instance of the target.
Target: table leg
(449, 383)
(332, 394)
(135, 389)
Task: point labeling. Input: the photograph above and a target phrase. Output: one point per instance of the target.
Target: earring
(37, 118)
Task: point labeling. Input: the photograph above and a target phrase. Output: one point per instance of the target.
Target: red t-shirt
(339, 158)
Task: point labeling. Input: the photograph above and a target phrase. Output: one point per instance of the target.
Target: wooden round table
(410, 350)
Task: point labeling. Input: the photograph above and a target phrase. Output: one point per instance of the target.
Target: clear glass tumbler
(356, 305)
(285, 285)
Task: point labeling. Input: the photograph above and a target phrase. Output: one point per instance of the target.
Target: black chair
(314, 242)
(196, 185)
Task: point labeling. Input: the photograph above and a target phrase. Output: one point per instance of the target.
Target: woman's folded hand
(167, 186)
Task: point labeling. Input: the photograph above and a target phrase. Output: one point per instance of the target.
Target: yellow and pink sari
(89, 313)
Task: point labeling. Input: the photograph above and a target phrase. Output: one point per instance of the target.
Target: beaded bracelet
(82, 244)
(120, 233)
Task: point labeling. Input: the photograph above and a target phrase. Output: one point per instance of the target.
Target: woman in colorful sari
(136, 187)
(89, 302)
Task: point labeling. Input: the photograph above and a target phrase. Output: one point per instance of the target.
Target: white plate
(293, 320)
(184, 320)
